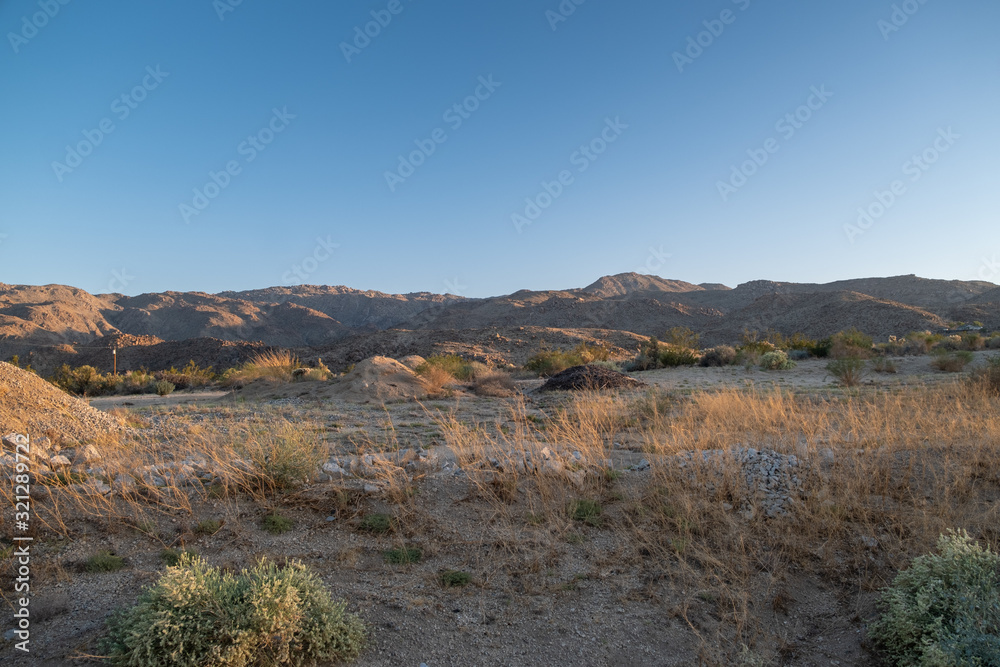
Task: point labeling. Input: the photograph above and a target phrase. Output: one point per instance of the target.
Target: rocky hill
(56, 323)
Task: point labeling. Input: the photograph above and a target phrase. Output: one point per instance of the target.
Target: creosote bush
(951, 362)
(848, 372)
(944, 609)
(550, 362)
(722, 355)
(776, 361)
(163, 388)
(196, 615)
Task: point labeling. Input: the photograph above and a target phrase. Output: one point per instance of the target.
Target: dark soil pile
(589, 377)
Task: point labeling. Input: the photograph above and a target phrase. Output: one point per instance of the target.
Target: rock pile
(588, 378)
(769, 476)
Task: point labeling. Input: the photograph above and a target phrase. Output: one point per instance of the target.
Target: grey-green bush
(722, 355)
(944, 610)
(776, 361)
(197, 615)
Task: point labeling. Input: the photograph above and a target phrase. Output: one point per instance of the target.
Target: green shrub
(776, 361)
(851, 344)
(453, 364)
(277, 524)
(681, 337)
(376, 523)
(884, 365)
(104, 561)
(944, 609)
(848, 372)
(455, 578)
(550, 362)
(163, 388)
(822, 348)
(588, 511)
(988, 378)
(951, 362)
(403, 556)
(722, 355)
(993, 343)
(672, 356)
(283, 458)
(172, 557)
(208, 527)
(196, 615)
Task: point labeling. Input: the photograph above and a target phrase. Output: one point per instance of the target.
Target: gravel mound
(29, 404)
(589, 377)
(380, 379)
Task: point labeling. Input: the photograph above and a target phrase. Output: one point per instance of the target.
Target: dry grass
(884, 473)
(275, 365)
(496, 384)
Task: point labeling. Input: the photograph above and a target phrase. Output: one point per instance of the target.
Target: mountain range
(53, 322)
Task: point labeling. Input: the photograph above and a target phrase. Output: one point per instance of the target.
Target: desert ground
(616, 527)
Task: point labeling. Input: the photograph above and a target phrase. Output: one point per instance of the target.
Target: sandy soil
(540, 595)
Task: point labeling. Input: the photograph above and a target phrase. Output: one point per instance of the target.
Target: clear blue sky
(653, 192)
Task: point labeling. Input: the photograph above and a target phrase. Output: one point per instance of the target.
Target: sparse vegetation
(776, 361)
(273, 365)
(172, 557)
(208, 527)
(549, 362)
(943, 609)
(588, 511)
(277, 524)
(104, 561)
(951, 362)
(722, 355)
(884, 365)
(851, 344)
(848, 371)
(403, 556)
(197, 615)
(455, 578)
(376, 523)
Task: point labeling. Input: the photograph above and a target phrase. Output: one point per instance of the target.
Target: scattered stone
(87, 455)
(59, 461)
(641, 466)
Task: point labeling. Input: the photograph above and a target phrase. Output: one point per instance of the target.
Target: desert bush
(550, 362)
(993, 343)
(848, 372)
(282, 457)
(496, 383)
(988, 378)
(672, 356)
(951, 362)
(454, 365)
(275, 365)
(84, 381)
(973, 342)
(944, 609)
(276, 524)
(197, 615)
(172, 557)
(104, 561)
(191, 376)
(138, 382)
(163, 388)
(402, 556)
(799, 355)
(948, 344)
(376, 523)
(682, 337)
(436, 378)
(884, 365)
(721, 355)
(455, 578)
(851, 344)
(776, 361)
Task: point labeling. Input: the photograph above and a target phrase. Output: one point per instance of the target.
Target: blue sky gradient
(314, 204)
